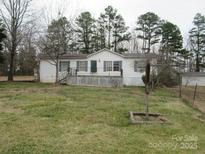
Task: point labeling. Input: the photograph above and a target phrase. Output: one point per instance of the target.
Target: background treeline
(23, 37)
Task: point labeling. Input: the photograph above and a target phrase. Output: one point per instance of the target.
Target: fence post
(194, 93)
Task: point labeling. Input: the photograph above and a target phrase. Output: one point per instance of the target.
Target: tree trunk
(11, 67)
(143, 43)
(57, 70)
(109, 31)
(147, 106)
(149, 45)
(115, 48)
(197, 54)
(197, 63)
(147, 81)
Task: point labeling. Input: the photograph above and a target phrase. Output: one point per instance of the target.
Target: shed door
(93, 66)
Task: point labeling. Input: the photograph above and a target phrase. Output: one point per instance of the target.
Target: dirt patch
(200, 105)
(18, 78)
(32, 90)
(9, 109)
(140, 118)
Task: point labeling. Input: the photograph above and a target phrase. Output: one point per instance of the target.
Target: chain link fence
(194, 95)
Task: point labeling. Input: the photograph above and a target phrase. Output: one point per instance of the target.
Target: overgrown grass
(44, 118)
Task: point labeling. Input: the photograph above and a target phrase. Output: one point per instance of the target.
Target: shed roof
(194, 74)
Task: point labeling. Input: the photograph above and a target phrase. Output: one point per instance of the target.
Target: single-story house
(127, 68)
(193, 78)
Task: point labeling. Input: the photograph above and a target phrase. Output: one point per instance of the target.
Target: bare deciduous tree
(56, 41)
(13, 14)
(27, 49)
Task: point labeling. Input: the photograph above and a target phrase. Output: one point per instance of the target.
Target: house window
(64, 66)
(107, 66)
(139, 66)
(117, 65)
(82, 66)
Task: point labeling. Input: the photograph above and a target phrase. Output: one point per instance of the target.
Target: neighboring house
(126, 68)
(193, 78)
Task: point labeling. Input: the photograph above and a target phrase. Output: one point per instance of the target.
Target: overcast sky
(180, 12)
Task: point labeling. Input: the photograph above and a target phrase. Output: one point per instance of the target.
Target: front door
(93, 66)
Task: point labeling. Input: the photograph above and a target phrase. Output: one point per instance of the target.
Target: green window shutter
(60, 66)
(93, 66)
(77, 67)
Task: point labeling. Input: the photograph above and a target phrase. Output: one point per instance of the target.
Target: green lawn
(44, 118)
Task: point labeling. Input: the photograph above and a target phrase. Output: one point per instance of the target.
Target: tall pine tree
(112, 29)
(85, 23)
(197, 39)
(110, 14)
(101, 24)
(149, 26)
(172, 40)
(119, 32)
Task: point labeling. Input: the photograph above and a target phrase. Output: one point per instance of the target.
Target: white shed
(193, 78)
